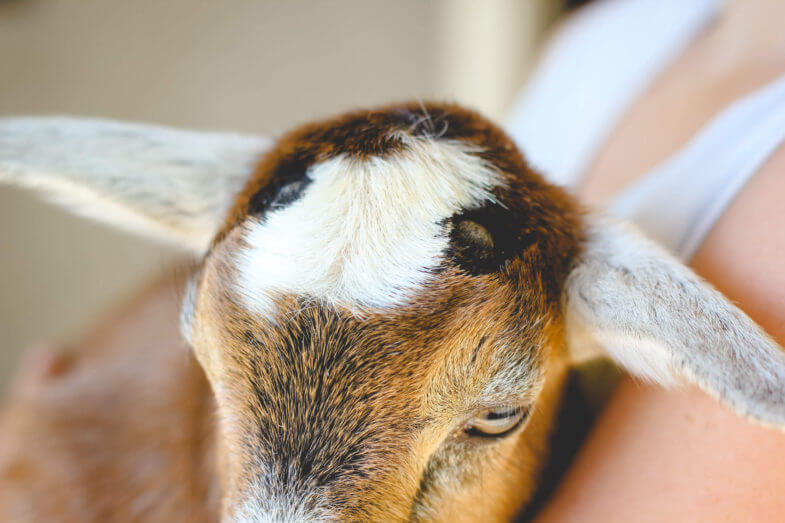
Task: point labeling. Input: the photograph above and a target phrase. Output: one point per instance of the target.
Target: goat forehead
(363, 233)
(365, 210)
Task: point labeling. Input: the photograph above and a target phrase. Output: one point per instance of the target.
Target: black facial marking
(482, 240)
(286, 186)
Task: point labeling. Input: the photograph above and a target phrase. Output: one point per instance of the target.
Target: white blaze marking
(364, 234)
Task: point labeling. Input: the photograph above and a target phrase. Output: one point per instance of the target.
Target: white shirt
(596, 67)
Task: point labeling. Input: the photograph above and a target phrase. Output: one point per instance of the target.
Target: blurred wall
(256, 67)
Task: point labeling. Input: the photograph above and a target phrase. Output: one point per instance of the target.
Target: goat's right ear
(164, 182)
(654, 316)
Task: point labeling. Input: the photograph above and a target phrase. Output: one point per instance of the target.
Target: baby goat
(385, 308)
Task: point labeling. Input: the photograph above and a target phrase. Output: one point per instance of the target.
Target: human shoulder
(742, 255)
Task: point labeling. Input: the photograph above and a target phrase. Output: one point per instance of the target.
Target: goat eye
(496, 423)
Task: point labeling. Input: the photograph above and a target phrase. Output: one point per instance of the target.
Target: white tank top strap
(678, 202)
(597, 65)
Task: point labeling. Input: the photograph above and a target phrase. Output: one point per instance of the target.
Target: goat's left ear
(165, 182)
(660, 321)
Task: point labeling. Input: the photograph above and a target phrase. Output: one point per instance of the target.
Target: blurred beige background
(255, 67)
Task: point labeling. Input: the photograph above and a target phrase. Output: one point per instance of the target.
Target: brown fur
(368, 411)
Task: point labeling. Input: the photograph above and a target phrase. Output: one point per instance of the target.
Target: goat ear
(163, 182)
(660, 321)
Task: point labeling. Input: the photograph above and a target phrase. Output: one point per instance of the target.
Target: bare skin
(659, 455)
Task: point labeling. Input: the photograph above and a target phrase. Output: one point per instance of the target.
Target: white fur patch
(364, 234)
(278, 511)
(260, 505)
(155, 180)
